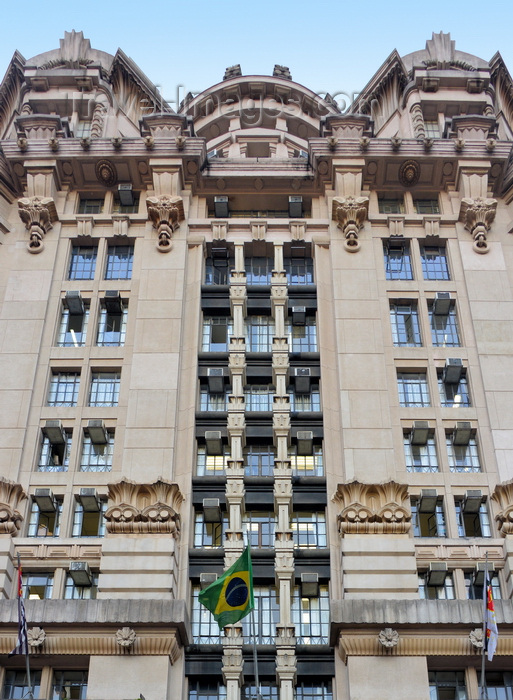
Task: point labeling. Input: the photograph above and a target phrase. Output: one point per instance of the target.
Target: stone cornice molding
(165, 213)
(477, 215)
(373, 508)
(11, 494)
(144, 508)
(350, 214)
(38, 215)
(503, 495)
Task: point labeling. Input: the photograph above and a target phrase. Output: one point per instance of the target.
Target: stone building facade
(256, 319)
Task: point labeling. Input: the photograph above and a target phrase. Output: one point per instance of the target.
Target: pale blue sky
(329, 45)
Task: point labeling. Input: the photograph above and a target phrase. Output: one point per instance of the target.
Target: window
(210, 465)
(308, 529)
(217, 331)
(434, 262)
(82, 129)
(16, 686)
(307, 465)
(209, 535)
(420, 458)
(89, 523)
(90, 205)
(64, 389)
(299, 270)
(314, 691)
(302, 338)
(499, 685)
(443, 592)
(205, 629)
(259, 397)
(72, 329)
(206, 691)
(454, 395)
(213, 402)
(74, 592)
(305, 402)
(397, 260)
(405, 324)
(45, 524)
(259, 270)
(259, 526)
(390, 205)
(266, 616)
(112, 326)
(428, 522)
(268, 690)
(259, 333)
(54, 456)
(119, 262)
(475, 590)
(431, 128)
(104, 389)
(471, 524)
(447, 685)
(463, 458)
(97, 457)
(427, 206)
(311, 617)
(69, 685)
(82, 263)
(259, 460)
(118, 208)
(217, 270)
(444, 328)
(413, 389)
(37, 586)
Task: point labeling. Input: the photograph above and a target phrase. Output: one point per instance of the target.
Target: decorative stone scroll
(373, 508)
(165, 213)
(144, 508)
(478, 215)
(350, 214)
(11, 494)
(503, 495)
(38, 215)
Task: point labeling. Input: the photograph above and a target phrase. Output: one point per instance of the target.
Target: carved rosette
(144, 508)
(503, 495)
(478, 215)
(165, 213)
(11, 494)
(125, 637)
(350, 214)
(388, 638)
(36, 637)
(373, 508)
(476, 638)
(38, 215)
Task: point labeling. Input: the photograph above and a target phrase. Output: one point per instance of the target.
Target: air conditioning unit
(452, 371)
(428, 500)
(211, 510)
(221, 208)
(80, 573)
(214, 442)
(304, 442)
(309, 585)
(442, 303)
(112, 301)
(462, 433)
(54, 432)
(396, 243)
(436, 573)
(215, 380)
(479, 573)
(45, 500)
(97, 432)
(88, 499)
(472, 501)
(419, 432)
(74, 303)
(298, 315)
(126, 196)
(301, 377)
(296, 206)
(207, 579)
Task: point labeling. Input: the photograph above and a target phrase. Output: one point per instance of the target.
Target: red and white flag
(22, 645)
(492, 633)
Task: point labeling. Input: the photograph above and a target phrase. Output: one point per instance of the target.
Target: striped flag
(22, 645)
(492, 633)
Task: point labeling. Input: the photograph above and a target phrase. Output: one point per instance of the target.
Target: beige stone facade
(256, 319)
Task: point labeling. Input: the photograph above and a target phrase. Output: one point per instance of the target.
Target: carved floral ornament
(373, 508)
(36, 637)
(144, 508)
(125, 637)
(388, 638)
(11, 494)
(38, 215)
(478, 215)
(503, 495)
(165, 213)
(350, 214)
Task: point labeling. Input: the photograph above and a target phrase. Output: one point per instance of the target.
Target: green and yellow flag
(230, 598)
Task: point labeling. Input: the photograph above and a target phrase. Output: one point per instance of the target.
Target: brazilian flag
(230, 598)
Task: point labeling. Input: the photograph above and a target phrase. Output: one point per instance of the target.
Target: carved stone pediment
(373, 508)
(11, 494)
(38, 215)
(478, 215)
(503, 495)
(165, 213)
(350, 214)
(144, 508)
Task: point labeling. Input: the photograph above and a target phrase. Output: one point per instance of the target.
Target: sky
(330, 46)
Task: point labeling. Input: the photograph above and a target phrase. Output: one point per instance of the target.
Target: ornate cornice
(38, 215)
(11, 494)
(144, 508)
(165, 213)
(373, 508)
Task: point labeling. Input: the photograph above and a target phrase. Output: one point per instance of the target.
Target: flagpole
(27, 660)
(483, 693)
(253, 634)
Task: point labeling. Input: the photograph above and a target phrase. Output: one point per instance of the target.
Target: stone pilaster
(285, 661)
(232, 661)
